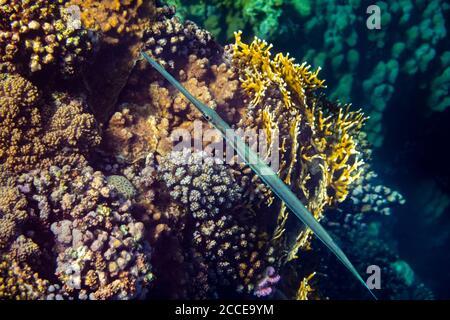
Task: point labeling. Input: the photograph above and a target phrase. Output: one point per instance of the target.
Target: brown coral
(19, 282)
(35, 132)
(171, 41)
(13, 214)
(113, 16)
(38, 34)
(20, 122)
(101, 250)
(153, 112)
(69, 128)
(227, 245)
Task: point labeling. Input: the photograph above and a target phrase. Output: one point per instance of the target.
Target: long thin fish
(266, 174)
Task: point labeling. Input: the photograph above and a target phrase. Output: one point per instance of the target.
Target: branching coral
(261, 71)
(36, 132)
(319, 157)
(38, 34)
(69, 128)
(305, 289)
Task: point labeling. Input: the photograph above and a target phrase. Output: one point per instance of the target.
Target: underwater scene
(224, 149)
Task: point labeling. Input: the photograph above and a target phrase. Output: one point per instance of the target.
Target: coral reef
(261, 18)
(19, 282)
(20, 122)
(172, 39)
(113, 17)
(96, 200)
(101, 250)
(200, 183)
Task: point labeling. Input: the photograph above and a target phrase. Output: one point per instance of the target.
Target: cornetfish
(267, 175)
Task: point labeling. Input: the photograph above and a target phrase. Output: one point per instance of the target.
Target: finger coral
(100, 247)
(36, 131)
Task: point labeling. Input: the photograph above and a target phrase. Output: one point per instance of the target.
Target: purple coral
(265, 285)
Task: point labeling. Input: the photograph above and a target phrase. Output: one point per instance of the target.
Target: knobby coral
(38, 34)
(113, 16)
(38, 131)
(226, 243)
(100, 247)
